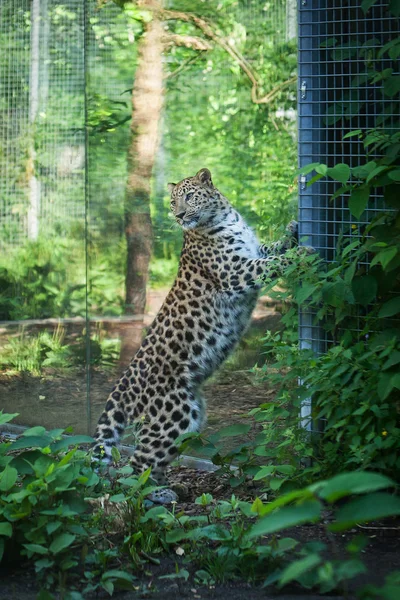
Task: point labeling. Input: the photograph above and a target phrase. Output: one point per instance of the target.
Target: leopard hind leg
(118, 413)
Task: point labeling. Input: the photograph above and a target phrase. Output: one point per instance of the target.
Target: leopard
(221, 269)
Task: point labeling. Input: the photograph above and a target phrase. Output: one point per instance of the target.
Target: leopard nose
(181, 214)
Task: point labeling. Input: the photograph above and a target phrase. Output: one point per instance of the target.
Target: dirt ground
(63, 398)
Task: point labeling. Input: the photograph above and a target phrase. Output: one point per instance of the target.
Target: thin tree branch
(188, 41)
(208, 31)
(184, 65)
(270, 96)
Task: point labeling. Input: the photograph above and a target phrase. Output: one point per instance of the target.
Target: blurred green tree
(192, 42)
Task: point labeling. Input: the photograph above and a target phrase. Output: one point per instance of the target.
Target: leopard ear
(204, 176)
(171, 187)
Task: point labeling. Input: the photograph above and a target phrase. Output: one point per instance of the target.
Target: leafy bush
(32, 353)
(43, 279)
(42, 495)
(63, 517)
(354, 386)
(46, 279)
(45, 480)
(226, 543)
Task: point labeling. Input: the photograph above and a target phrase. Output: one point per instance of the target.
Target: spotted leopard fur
(199, 324)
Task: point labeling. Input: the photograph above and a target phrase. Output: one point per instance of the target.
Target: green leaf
(394, 174)
(8, 478)
(304, 292)
(390, 308)
(38, 430)
(362, 171)
(71, 440)
(116, 574)
(364, 289)
(115, 454)
(6, 417)
(322, 169)
(264, 472)
(340, 172)
(215, 532)
(176, 535)
(61, 542)
(384, 257)
(181, 574)
(257, 506)
(33, 441)
(336, 293)
(352, 134)
(53, 526)
(204, 499)
(358, 201)
(118, 498)
(6, 529)
(385, 385)
(375, 172)
(358, 482)
(366, 4)
(307, 169)
(288, 516)
(394, 359)
(395, 381)
(392, 48)
(231, 431)
(285, 469)
(108, 585)
(367, 508)
(394, 7)
(391, 86)
(297, 568)
(299, 495)
(36, 548)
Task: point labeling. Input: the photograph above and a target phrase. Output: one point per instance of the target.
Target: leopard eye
(189, 195)
(172, 203)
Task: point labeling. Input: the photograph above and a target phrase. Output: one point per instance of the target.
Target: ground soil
(75, 398)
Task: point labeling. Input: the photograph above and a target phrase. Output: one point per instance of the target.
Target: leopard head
(194, 200)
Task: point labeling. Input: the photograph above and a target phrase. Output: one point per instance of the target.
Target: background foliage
(209, 120)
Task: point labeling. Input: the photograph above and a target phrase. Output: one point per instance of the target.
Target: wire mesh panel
(60, 120)
(207, 119)
(42, 212)
(14, 117)
(42, 87)
(226, 101)
(340, 50)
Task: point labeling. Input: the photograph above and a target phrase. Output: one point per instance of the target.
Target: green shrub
(45, 481)
(83, 531)
(354, 386)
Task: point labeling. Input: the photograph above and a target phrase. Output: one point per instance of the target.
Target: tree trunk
(147, 101)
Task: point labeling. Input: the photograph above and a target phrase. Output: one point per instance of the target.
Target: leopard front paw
(306, 250)
(165, 496)
(293, 229)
